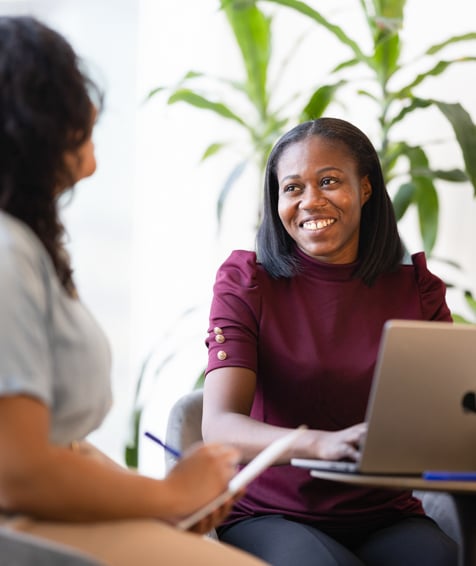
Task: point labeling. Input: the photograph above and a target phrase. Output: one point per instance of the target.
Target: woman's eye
(328, 181)
(291, 188)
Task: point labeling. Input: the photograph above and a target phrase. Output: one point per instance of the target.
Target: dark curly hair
(380, 246)
(45, 110)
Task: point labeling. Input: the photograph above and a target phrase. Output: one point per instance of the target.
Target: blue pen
(166, 447)
(449, 476)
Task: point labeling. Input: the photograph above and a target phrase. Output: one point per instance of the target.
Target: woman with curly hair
(54, 359)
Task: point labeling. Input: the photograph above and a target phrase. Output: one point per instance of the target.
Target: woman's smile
(318, 224)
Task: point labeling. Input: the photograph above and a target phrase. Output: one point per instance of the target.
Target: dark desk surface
(397, 482)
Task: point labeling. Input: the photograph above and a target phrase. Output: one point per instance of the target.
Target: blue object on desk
(443, 475)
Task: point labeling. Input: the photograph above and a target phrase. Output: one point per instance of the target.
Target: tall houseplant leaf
(248, 103)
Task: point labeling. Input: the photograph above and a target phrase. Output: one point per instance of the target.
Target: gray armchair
(184, 425)
(21, 549)
(184, 428)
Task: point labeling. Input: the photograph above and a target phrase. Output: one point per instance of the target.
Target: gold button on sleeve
(222, 355)
(217, 330)
(219, 338)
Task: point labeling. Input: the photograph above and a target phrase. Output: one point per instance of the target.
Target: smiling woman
(300, 324)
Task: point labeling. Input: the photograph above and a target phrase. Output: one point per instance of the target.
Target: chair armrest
(22, 549)
(442, 509)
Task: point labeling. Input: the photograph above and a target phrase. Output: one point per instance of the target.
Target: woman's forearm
(72, 486)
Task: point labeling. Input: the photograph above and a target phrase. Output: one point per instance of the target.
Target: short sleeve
(234, 315)
(432, 291)
(25, 361)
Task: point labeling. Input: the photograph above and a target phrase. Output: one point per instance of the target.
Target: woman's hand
(217, 517)
(202, 474)
(342, 444)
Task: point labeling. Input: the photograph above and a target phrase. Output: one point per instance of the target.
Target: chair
(184, 425)
(22, 549)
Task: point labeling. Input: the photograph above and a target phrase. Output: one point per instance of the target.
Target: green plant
(248, 103)
(471, 303)
(131, 451)
(158, 360)
(381, 68)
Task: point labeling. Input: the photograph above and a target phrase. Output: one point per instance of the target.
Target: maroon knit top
(312, 340)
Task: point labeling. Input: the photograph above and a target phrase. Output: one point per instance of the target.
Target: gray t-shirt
(51, 348)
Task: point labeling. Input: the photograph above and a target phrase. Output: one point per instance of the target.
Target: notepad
(263, 460)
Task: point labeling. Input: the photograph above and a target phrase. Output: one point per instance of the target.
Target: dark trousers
(412, 541)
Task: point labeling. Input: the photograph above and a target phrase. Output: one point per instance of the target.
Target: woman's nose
(312, 198)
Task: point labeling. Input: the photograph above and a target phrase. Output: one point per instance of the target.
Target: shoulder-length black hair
(46, 109)
(380, 247)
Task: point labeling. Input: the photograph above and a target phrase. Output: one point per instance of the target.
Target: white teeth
(318, 224)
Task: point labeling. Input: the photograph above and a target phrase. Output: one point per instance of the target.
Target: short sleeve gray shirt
(51, 348)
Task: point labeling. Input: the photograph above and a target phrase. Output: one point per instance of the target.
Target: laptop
(421, 413)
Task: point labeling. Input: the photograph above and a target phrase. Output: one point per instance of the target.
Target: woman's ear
(365, 189)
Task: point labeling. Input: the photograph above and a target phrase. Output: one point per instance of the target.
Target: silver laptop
(421, 412)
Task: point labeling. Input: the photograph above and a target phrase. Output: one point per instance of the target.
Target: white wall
(143, 230)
